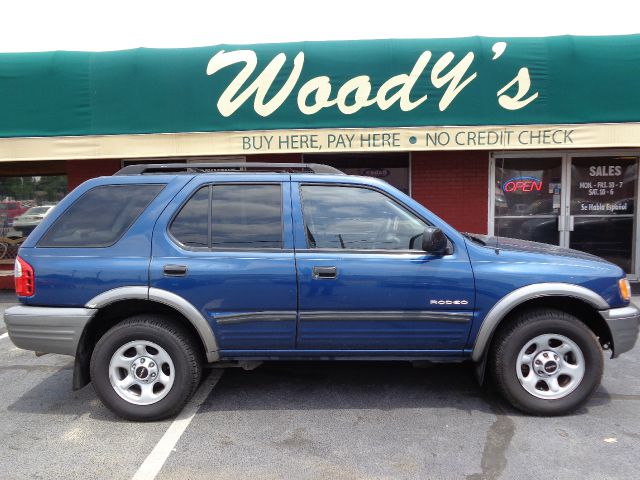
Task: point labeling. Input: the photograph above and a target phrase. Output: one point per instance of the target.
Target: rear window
(100, 217)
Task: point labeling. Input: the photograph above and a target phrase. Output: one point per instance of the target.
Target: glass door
(602, 207)
(528, 198)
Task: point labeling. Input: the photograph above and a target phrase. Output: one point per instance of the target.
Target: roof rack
(261, 167)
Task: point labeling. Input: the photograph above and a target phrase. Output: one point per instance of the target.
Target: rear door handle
(175, 270)
(324, 272)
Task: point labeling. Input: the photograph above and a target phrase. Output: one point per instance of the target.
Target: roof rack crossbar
(176, 168)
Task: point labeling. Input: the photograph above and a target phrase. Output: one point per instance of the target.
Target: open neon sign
(522, 184)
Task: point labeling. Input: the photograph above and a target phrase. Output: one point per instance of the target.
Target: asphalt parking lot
(314, 421)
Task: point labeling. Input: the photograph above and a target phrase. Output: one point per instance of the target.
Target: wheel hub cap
(141, 372)
(550, 366)
(144, 369)
(547, 363)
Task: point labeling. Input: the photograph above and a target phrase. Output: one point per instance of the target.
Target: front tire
(546, 362)
(145, 368)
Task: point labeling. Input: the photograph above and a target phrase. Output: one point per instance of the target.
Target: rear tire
(146, 368)
(546, 362)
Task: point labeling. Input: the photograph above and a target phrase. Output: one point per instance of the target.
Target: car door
(226, 247)
(365, 283)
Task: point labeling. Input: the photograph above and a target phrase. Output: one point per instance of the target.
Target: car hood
(517, 245)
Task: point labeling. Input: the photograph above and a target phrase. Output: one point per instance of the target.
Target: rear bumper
(47, 329)
(623, 324)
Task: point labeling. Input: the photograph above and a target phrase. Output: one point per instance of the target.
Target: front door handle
(175, 270)
(324, 272)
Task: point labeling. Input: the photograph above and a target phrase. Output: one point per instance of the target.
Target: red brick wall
(80, 170)
(454, 186)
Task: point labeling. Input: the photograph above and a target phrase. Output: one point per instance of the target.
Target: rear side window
(100, 217)
(191, 225)
(247, 216)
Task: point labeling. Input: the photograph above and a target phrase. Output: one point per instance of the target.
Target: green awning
(348, 84)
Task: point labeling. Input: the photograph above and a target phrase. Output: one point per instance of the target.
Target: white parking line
(4, 335)
(154, 462)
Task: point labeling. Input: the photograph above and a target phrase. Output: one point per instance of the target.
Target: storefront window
(594, 212)
(24, 202)
(527, 198)
(393, 168)
(164, 160)
(603, 191)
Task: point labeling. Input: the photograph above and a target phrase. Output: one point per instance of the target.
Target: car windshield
(37, 211)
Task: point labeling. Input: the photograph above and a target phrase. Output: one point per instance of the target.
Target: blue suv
(148, 275)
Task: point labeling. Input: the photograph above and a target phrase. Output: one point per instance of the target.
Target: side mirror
(434, 241)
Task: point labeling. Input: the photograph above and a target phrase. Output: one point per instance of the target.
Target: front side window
(100, 217)
(356, 218)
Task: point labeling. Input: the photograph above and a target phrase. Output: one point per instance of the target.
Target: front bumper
(47, 329)
(623, 324)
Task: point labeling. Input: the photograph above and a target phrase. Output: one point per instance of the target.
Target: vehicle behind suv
(9, 211)
(30, 219)
(148, 275)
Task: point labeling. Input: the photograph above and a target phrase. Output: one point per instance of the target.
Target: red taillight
(25, 278)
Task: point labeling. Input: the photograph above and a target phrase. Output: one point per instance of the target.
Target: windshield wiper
(473, 238)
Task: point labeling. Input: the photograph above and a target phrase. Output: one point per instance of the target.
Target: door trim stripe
(388, 315)
(264, 316)
(345, 315)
